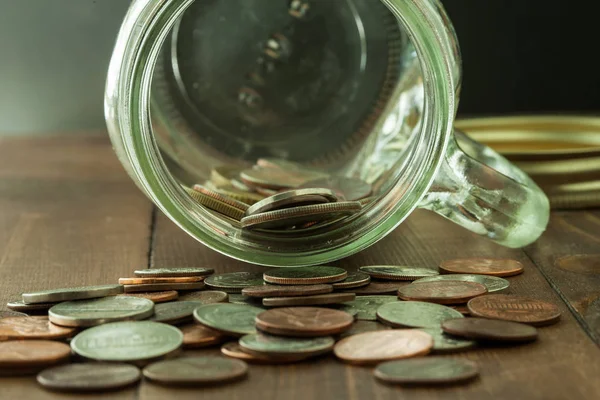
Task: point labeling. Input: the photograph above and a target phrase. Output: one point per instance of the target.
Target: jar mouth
(128, 116)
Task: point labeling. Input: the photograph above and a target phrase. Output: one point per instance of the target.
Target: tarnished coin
(174, 313)
(76, 293)
(305, 275)
(32, 353)
(364, 326)
(374, 347)
(155, 297)
(427, 371)
(185, 371)
(161, 287)
(292, 198)
(236, 298)
(232, 319)
(221, 197)
(240, 195)
(443, 343)
(223, 174)
(197, 335)
(316, 300)
(12, 328)
(303, 321)
(443, 292)
(299, 215)
(366, 306)
(89, 377)
(415, 314)
(354, 279)
(397, 273)
(140, 281)
(461, 308)
(100, 311)
(482, 266)
(234, 350)
(492, 283)
(286, 290)
(234, 282)
(275, 178)
(173, 272)
(349, 189)
(514, 308)
(8, 313)
(283, 346)
(127, 341)
(206, 296)
(216, 205)
(378, 288)
(490, 329)
(18, 305)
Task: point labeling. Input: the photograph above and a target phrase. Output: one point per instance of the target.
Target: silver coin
(292, 198)
(492, 283)
(100, 311)
(172, 272)
(444, 343)
(347, 189)
(234, 282)
(75, 293)
(354, 279)
(174, 313)
(314, 300)
(366, 307)
(415, 314)
(278, 346)
(87, 377)
(205, 296)
(232, 319)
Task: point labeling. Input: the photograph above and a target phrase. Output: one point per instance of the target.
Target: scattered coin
(216, 205)
(362, 327)
(234, 282)
(490, 329)
(378, 288)
(76, 293)
(303, 321)
(316, 300)
(32, 353)
(155, 297)
(348, 189)
(232, 319)
(514, 308)
(399, 273)
(492, 283)
(161, 287)
(20, 306)
(305, 275)
(174, 313)
(173, 272)
(186, 371)
(7, 314)
(374, 347)
(140, 281)
(127, 341)
(353, 280)
(443, 292)
(443, 343)
(236, 298)
(196, 335)
(100, 311)
(284, 346)
(221, 197)
(415, 314)
(427, 371)
(88, 377)
(205, 297)
(366, 306)
(234, 350)
(482, 266)
(292, 198)
(32, 328)
(461, 308)
(286, 291)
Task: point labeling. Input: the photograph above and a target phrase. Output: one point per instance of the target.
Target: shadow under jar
(365, 89)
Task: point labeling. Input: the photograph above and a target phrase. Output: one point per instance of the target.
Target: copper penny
(234, 350)
(374, 347)
(514, 308)
(157, 297)
(186, 371)
(378, 288)
(6, 314)
(449, 292)
(316, 300)
(206, 297)
(482, 266)
(32, 328)
(173, 272)
(139, 281)
(32, 353)
(397, 272)
(305, 275)
(354, 279)
(196, 335)
(304, 321)
(286, 290)
(161, 287)
(490, 329)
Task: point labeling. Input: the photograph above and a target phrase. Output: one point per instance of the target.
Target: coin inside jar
(514, 308)
(216, 205)
(292, 198)
(448, 292)
(482, 266)
(303, 321)
(347, 189)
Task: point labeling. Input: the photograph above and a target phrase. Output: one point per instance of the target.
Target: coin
(18, 305)
(396, 272)
(287, 165)
(374, 347)
(514, 308)
(292, 198)
(127, 341)
(461, 308)
(186, 371)
(232, 319)
(272, 178)
(173, 272)
(221, 197)
(7, 314)
(490, 329)
(353, 280)
(156, 297)
(234, 282)
(415, 314)
(445, 292)
(305, 275)
(32, 353)
(205, 297)
(303, 321)
(282, 346)
(482, 266)
(223, 174)
(161, 287)
(174, 313)
(140, 281)
(362, 327)
(492, 283)
(427, 371)
(89, 377)
(236, 298)
(100, 311)
(378, 288)
(240, 195)
(316, 300)
(216, 205)
(234, 350)
(286, 291)
(366, 306)
(76, 293)
(298, 215)
(348, 189)
(32, 328)
(196, 335)
(443, 343)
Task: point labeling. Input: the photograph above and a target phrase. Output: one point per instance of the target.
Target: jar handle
(482, 191)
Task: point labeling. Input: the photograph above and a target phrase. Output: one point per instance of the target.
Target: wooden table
(70, 216)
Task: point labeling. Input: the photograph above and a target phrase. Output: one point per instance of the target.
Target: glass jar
(357, 89)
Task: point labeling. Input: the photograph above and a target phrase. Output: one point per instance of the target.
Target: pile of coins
(389, 317)
(279, 197)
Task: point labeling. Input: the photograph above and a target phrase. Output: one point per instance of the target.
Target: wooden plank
(568, 254)
(562, 364)
(69, 216)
